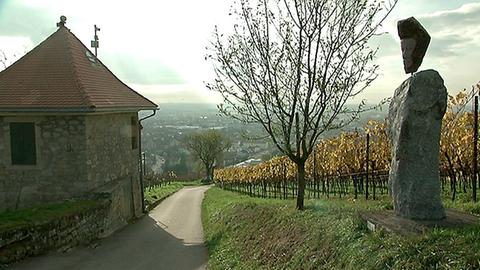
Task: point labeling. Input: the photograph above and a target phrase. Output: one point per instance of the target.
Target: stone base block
(388, 221)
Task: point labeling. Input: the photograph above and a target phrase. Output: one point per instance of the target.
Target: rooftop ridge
(107, 69)
(135, 92)
(61, 72)
(76, 74)
(111, 73)
(25, 56)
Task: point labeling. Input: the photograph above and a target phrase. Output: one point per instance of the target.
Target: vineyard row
(338, 165)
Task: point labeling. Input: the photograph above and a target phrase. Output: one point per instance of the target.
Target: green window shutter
(22, 142)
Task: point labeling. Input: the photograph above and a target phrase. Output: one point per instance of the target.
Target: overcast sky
(158, 47)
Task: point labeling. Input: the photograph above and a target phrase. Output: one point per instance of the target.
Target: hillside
(248, 233)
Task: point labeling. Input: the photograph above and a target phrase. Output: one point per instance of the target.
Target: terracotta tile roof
(61, 74)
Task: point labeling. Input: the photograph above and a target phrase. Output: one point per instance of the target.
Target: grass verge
(250, 233)
(43, 214)
(46, 213)
(153, 196)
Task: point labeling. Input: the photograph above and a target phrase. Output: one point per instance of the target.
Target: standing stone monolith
(415, 119)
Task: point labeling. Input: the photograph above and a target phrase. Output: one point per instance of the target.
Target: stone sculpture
(415, 119)
(414, 43)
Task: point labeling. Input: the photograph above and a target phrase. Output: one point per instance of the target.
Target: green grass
(250, 233)
(46, 213)
(462, 202)
(155, 195)
(43, 214)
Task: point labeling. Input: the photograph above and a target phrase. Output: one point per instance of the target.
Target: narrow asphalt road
(170, 237)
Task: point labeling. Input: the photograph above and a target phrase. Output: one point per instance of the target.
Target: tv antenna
(94, 43)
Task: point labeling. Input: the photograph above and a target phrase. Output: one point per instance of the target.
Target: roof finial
(62, 22)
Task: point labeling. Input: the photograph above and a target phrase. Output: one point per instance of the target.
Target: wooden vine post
(366, 164)
(475, 149)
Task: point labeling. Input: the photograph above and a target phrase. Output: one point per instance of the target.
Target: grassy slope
(155, 195)
(248, 233)
(46, 213)
(43, 214)
(160, 193)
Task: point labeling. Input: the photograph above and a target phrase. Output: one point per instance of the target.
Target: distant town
(164, 151)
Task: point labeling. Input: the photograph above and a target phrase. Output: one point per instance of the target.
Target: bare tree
(6, 61)
(291, 65)
(208, 146)
(3, 60)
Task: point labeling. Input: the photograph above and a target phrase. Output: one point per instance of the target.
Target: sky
(158, 47)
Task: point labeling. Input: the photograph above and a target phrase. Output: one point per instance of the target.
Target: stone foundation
(64, 233)
(59, 234)
(388, 221)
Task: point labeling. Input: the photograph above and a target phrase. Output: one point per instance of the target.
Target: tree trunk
(301, 185)
(208, 171)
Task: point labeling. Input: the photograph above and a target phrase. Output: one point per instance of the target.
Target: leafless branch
(291, 66)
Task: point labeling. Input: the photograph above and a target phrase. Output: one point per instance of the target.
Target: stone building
(69, 129)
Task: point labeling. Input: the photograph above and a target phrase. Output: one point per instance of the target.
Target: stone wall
(77, 157)
(112, 164)
(60, 171)
(62, 233)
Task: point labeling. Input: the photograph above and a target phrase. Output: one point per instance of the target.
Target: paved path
(170, 237)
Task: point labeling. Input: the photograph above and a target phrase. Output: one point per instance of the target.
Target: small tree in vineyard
(291, 65)
(208, 146)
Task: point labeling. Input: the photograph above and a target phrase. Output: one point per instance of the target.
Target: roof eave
(76, 110)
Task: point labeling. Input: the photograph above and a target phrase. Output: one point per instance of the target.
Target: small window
(134, 137)
(90, 57)
(22, 142)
